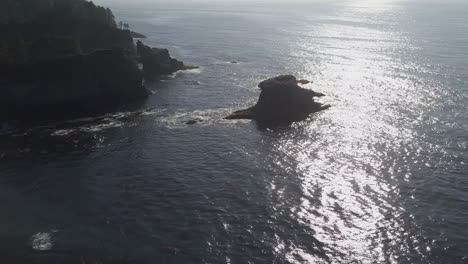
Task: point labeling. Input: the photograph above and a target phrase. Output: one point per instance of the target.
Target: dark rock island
(68, 58)
(281, 100)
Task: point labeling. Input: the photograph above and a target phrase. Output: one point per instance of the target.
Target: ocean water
(380, 177)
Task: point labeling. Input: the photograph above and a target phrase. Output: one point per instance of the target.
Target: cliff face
(157, 61)
(64, 58)
(69, 86)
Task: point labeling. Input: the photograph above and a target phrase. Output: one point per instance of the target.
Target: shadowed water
(380, 177)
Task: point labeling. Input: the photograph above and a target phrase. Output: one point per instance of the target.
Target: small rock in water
(303, 81)
(194, 121)
(188, 67)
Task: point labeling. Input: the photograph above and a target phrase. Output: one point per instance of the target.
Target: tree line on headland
(65, 27)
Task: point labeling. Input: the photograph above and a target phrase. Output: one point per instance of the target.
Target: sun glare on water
(349, 183)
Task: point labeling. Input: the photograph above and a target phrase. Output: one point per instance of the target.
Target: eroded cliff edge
(69, 58)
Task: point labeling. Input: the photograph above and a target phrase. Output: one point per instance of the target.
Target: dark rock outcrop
(281, 100)
(188, 67)
(303, 81)
(69, 58)
(137, 35)
(69, 86)
(157, 61)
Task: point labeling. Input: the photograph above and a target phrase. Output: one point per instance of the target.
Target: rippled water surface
(380, 177)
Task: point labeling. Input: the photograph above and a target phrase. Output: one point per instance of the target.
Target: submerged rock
(69, 86)
(281, 100)
(188, 67)
(194, 121)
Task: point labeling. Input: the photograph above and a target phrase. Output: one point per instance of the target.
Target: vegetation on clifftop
(58, 27)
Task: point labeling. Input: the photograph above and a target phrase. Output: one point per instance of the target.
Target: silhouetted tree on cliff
(92, 27)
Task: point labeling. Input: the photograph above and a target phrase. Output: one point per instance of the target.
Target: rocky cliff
(157, 61)
(64, 58)
(69, 86)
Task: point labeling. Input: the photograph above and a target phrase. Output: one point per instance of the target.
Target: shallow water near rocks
(380, 177)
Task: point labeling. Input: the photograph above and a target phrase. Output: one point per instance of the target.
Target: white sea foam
(100, 123)
(42, 241)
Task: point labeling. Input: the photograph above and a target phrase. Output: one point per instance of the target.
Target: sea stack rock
(281, 100)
